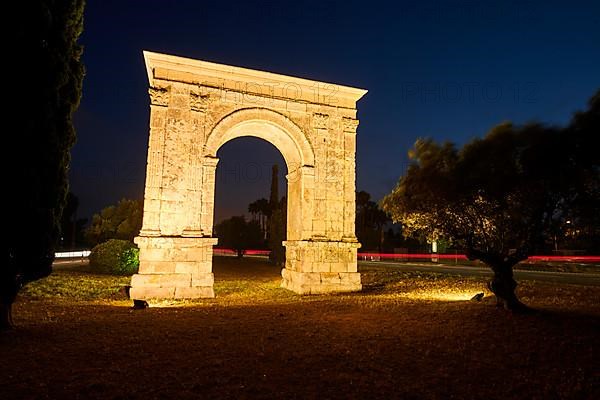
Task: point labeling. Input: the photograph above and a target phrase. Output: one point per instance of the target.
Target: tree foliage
(277, 232)
(261, 211)
(238, 234)
(497, 197)
(72, 228)
(121, 221)
(116, 257)
(277, 221)
(370, 222)
(583, 213)
(47, 73)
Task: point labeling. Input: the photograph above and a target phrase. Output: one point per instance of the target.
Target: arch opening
(287, 138)
(243, 189)
(268, 125)
(243, 176)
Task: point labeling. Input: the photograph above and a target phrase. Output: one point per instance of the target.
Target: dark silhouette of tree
(261, 209)
(71, 226)
(278, 232)
(274, 195)
(370, 222)
(497, 196)
(47, 74)
(238, 234)
(253, 210)
(395, 242)
(362, 199)
(277, 221)
(580, 223)
(122, 221)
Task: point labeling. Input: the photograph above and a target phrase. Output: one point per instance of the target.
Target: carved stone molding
(199, 102)
(349, 124)
(320, 120)
(159, 96)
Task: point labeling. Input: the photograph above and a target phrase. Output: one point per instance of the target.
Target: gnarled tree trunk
(6, 321)
(9, 287)
(503, 286)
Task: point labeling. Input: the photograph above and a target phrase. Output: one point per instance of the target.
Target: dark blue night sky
(443, 69)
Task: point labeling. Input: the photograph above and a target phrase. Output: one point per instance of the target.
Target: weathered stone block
(145, 292)
(350, 278)
(161, 280)
(164, 267)
(192, 267)
(149, 254)
(204, 279)
(330, 278)
(339, 266)
(194, 292)
(321, 266)
(352, 266)
(156, 267)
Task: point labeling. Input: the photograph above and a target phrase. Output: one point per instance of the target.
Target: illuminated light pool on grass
(439, 295)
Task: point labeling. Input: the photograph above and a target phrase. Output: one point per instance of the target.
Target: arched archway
(266, 124)
(196, 107)
(288, 138)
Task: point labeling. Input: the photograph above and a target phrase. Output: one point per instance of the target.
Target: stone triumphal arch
(196, 107)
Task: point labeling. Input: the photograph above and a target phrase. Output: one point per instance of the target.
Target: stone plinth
(174, 268)
(314, 267)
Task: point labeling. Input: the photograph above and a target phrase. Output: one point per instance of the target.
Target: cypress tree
(277, 222)
(274, 196)
(46, 85)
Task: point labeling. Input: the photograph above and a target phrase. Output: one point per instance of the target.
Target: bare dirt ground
(408, 335)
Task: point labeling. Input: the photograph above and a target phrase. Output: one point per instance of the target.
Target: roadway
(575, 278)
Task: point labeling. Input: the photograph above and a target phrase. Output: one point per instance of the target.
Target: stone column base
(173, 268)
(315, 267)
(320, 282)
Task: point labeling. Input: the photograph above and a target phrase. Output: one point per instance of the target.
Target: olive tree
(497, 197)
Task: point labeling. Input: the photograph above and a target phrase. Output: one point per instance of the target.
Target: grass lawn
(407, 335)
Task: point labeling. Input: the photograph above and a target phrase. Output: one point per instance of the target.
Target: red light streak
(428, 256)
(220, 251)
(413, 256)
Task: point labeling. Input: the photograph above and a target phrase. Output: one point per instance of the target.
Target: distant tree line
(122, 221)
(268, 219)
(72, 227)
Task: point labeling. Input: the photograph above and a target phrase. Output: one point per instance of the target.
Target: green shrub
(116, 257)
